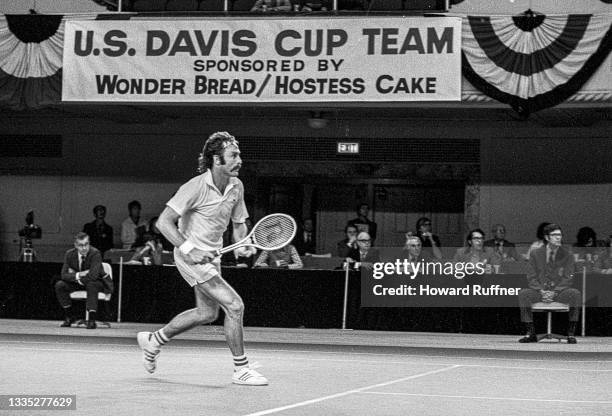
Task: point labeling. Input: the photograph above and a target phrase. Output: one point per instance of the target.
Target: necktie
(551, 257)
(81, 260)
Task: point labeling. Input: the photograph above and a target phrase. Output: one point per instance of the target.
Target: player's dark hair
(215, 145)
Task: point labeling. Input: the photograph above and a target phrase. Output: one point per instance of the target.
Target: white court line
(346, 393)
(317, 359)
(519, 399)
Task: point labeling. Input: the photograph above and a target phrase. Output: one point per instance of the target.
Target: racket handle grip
(218, 253)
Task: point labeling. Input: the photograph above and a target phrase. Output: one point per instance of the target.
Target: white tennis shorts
(196, 273)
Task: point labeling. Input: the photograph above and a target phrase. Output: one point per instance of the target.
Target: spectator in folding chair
(550, 279)
(82, 270)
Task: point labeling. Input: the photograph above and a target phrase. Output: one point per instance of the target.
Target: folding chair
(549, 308)
(81, 295)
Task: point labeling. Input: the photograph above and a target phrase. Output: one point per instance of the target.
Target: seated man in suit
(550, 279)
(82, 270)
(364, 255)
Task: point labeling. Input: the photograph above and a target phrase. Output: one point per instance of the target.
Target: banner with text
(263, 60)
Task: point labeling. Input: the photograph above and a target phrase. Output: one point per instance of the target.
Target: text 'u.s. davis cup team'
(274, 60)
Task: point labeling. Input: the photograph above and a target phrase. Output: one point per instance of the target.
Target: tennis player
(203, 208)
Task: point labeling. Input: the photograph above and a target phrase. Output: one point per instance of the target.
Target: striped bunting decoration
(533, 61)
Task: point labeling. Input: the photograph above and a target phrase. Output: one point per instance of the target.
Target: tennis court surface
(311, 372)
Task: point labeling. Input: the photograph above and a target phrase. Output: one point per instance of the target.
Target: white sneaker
(248, 376)
(149, 352)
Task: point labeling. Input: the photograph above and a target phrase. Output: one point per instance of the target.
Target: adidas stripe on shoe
(149, 351)
(249, 377)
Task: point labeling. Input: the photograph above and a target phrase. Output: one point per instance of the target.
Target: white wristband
(186, 247)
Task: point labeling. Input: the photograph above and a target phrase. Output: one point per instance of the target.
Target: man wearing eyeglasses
(82, 270)
(367, 254)
(550, 279)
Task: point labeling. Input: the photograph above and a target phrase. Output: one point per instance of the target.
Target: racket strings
(274, 232)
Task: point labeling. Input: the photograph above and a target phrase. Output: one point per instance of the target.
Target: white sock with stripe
(240, 362)
(158, 338)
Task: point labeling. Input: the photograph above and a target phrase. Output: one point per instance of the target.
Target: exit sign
(348, 148)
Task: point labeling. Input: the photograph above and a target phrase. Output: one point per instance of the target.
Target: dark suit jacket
(92, 262)
(556, 276)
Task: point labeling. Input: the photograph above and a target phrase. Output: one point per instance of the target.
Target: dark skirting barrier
(272, 297)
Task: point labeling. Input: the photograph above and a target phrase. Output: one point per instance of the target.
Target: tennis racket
(272, 232)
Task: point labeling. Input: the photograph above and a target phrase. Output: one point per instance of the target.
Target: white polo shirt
(205, 212)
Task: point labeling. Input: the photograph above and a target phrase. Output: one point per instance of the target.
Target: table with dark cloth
(277, 298)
